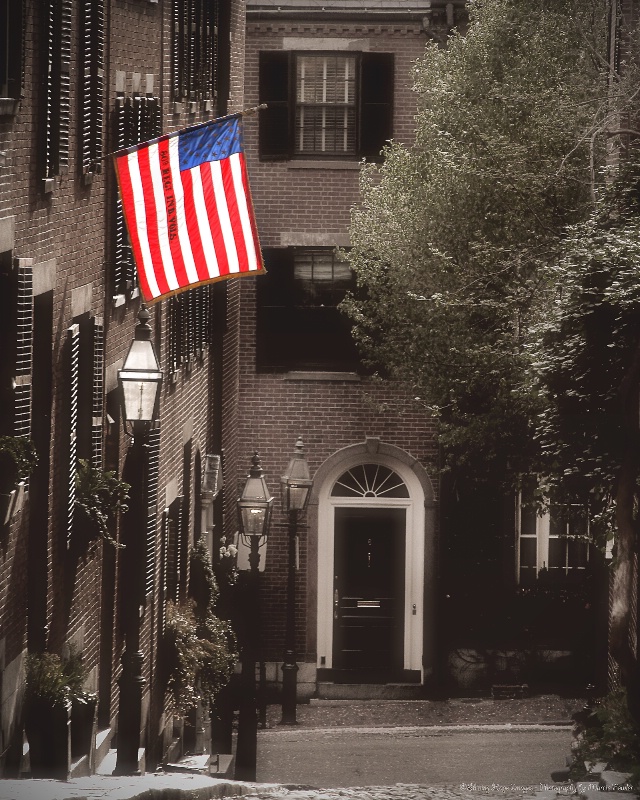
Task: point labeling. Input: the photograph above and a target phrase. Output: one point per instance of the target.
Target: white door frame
(415, 518)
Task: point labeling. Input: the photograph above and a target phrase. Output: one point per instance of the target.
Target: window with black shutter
(93, 42)
(199, 66)
(190, 318)
(84, 379)
(299, 325)
(325, 105)
(153, 476)
(56, 81)
(16, 333)
(135, 119)
(11, 48)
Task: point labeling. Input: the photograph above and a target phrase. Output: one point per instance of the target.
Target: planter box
(48, 732)
(83, 719)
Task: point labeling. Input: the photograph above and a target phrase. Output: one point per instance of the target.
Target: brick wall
(69, 233)
(292, 196)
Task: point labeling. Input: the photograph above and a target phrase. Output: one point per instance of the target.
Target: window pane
(325, 104)
(557, 551)
(528, 552)
(557, 521)
(577, 553)
(528, 517)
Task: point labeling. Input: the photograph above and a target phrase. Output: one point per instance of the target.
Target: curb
(416, 729)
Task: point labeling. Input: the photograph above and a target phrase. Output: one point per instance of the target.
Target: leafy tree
(497, 259)
(454, 234)
(588, 371)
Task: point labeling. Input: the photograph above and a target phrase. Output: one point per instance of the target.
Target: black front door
(368, 591)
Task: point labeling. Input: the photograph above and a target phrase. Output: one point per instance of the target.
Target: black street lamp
(139, 380)
(254, 512)
(296, 487)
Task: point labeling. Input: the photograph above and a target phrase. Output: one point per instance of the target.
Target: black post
(290, 668)
(247, 745)
(131, 680)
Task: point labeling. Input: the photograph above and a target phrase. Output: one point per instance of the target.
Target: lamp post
(296, 487)
(139, 380)
(254, 511)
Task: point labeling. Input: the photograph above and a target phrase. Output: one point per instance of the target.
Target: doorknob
(336, 603)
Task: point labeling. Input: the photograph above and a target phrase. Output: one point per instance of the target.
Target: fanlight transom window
(369, 480)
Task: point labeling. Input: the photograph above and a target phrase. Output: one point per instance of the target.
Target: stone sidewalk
(159, 786)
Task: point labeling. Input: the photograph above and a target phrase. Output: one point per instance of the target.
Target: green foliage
(455, 234)
(46, 680)
(99, 497)
(202, 582)
(587, 359)
(609, 735)
(74, 670)
(197, 655)
(18, 459)
(200, 650)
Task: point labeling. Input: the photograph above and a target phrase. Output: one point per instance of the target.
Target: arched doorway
(375, 593)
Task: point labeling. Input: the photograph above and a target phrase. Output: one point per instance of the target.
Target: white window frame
(542, 537)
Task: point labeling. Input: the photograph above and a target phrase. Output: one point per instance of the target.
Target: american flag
(187, 205)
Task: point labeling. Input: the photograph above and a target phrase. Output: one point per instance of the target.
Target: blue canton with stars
(213, 142)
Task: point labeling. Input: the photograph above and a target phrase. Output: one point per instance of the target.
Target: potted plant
(17, 460)
(100, 495)
(46, 716)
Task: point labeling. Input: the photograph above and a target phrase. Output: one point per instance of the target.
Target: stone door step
(370, 691)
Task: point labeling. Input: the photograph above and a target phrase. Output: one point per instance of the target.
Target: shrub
(46, 680)
(99, 497)
(18, 459)
(608, 734)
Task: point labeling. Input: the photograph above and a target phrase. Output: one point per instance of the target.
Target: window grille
(325, 105)
(556, 541)
(370, 480)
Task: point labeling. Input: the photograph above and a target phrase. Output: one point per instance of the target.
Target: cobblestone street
(451, 754)
(407, 791)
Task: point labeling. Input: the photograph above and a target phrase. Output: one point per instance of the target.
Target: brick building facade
(402, 579)
(77, 82)
(336, 78)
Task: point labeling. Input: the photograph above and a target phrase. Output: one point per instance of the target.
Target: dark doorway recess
(368, 625)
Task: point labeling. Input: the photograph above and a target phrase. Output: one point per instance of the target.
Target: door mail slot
(368, 604)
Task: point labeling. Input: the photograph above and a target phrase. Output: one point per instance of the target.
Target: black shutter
(15, 67)
(49, 82)
(92, 85)
(376, 104)
(73, 377)
(24, 349)
(64, 109)
(98, 392)
(153, 476)
(275, 121)
(275, 307)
